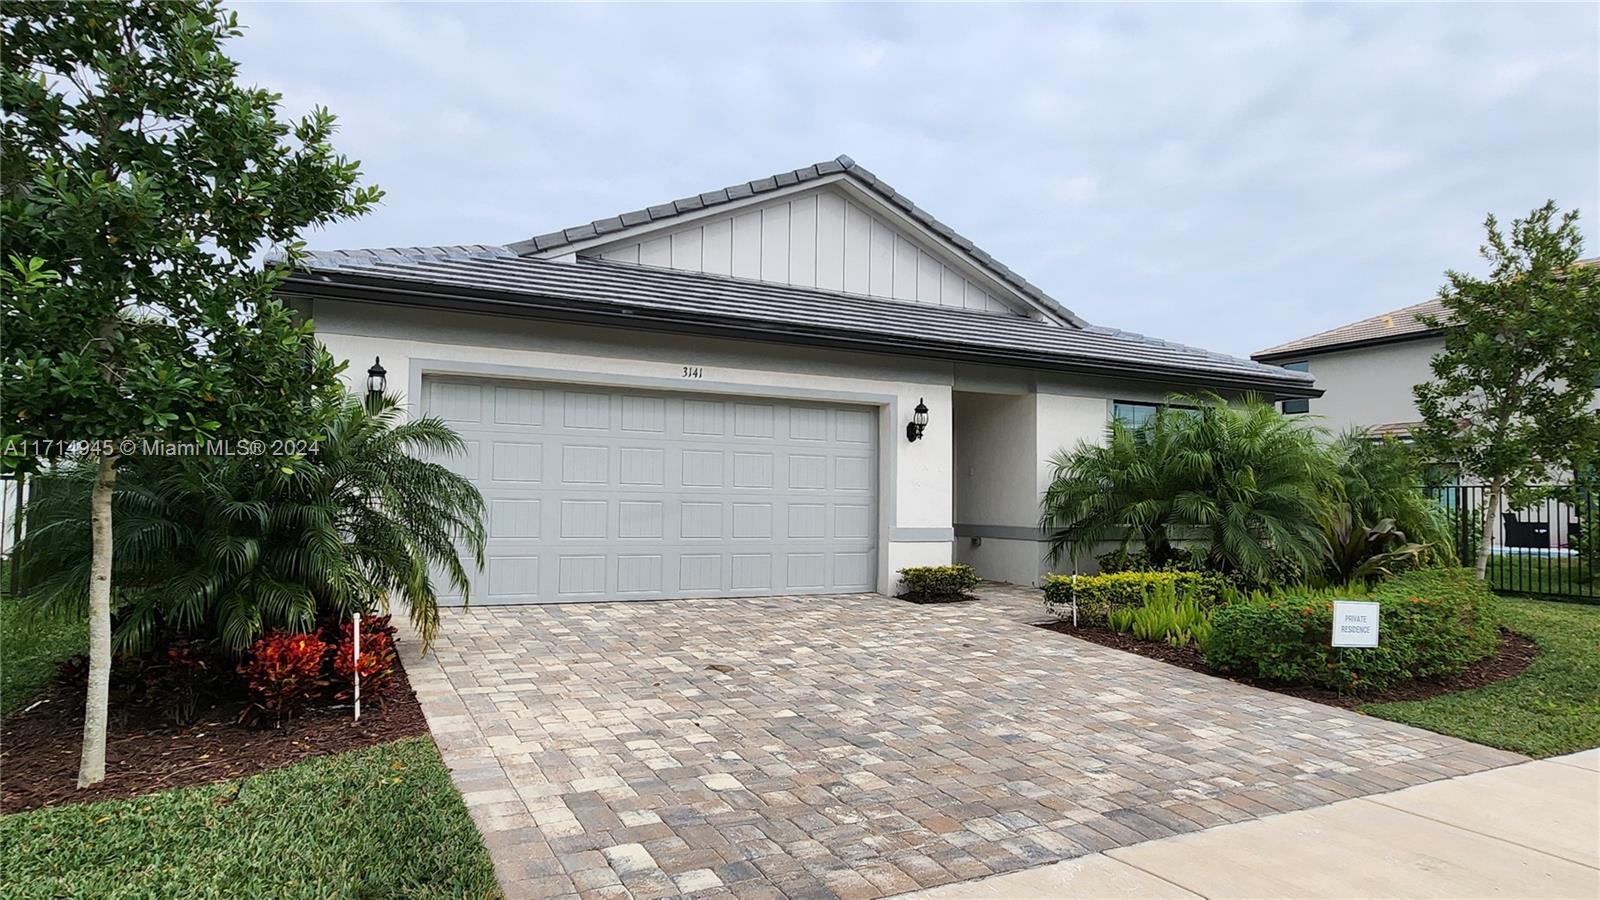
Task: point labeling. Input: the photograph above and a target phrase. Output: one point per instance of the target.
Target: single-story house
(794, 385)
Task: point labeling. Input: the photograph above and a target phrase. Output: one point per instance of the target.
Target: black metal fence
(1551, 547)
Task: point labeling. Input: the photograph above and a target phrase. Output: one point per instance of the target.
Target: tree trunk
(1491, 513)
(92, 768)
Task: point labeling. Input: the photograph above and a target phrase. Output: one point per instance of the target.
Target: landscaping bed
(39, 747)
(1514, 654)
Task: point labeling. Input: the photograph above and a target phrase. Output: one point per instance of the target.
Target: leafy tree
(1241, 488)
(1510, 392)
(139, 183)
(232, 547)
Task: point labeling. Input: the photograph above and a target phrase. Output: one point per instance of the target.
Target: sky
(1229, 176)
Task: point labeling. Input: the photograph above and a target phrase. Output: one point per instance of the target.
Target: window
(1133, 414)
(1298, 405)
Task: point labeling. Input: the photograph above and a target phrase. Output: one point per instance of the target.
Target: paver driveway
(857, 746)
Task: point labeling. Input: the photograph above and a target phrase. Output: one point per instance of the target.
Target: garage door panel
(518, 407)
(597, 494)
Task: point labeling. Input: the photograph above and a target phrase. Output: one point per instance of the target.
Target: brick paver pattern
(857, 746)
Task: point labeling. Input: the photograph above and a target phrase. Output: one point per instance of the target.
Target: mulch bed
(1515, 653)
(39, 748)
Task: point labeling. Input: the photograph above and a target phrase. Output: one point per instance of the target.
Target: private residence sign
(1355, 623)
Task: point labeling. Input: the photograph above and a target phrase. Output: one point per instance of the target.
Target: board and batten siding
(821, 240)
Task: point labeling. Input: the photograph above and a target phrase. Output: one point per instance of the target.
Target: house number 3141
(692, 372)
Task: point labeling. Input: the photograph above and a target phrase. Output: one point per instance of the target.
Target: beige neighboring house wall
(1370, 386)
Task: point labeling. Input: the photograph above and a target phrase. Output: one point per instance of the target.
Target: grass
(380, 822)
(1550, 709)
(31, 650)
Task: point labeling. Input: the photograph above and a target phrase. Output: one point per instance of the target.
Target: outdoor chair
(1525, 535)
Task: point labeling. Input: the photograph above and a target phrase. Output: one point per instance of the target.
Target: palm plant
(1242, 488)
(235, 546)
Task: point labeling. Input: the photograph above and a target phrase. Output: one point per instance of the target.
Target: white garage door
(600, 494)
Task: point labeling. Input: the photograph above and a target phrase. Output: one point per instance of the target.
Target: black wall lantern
(377, 382)
(919, 421)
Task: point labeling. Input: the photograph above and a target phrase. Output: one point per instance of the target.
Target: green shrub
(1433, 623)
(1099, 595)
(939, 582)
(1122, 560)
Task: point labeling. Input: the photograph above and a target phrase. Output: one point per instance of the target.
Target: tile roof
(642, 297)
(1397, 430)
(1401, 323)
(843, 165)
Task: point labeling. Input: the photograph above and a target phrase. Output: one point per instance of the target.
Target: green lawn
(1551, 709)
(30, 652)
(381, 822)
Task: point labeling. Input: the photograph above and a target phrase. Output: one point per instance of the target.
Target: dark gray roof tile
(637, 217)
(661, 211)
(762, 185)
(688, 204)
(790, 313)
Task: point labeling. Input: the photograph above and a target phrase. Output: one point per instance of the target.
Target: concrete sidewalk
(1526, 831)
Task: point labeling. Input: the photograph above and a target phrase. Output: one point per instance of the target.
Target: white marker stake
(1074, 599)
(355, 659)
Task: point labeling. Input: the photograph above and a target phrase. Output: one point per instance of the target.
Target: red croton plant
(378, 659)
(285, 671)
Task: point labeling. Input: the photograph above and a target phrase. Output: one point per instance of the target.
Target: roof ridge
(841, 164)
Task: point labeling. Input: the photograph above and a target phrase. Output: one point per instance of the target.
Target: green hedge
(939, 582)
(1098, 595)
(1433, 623)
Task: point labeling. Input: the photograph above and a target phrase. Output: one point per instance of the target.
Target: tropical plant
(1242, 488)
(142, 181)
(237, 546)
(1163, 616)
(1511, 394)
(1369, 552)
(1383, 480)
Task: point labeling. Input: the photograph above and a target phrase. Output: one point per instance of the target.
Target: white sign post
(355, 658)
(1355, 623)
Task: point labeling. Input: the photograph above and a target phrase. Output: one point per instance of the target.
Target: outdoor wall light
(377, 381)
(919, 421)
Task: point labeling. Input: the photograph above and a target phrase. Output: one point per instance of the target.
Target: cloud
(1230, 176)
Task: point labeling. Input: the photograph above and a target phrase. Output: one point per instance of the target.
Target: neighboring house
(717, 396)
(1367, 370)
